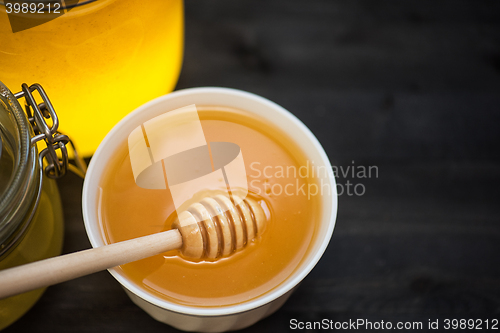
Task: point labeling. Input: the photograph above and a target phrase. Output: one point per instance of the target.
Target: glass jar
(31, 219)
(104, 57)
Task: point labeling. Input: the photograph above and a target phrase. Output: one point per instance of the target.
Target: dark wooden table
(412, 87)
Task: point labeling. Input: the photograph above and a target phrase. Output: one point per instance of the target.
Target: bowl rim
(94, 231)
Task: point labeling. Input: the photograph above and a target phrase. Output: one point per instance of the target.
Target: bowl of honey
(286, 172)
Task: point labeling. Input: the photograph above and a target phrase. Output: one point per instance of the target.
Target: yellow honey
(97, 62)
(128, 211)
(42, 240)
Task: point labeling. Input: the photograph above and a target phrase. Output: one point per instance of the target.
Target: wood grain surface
(412, 87)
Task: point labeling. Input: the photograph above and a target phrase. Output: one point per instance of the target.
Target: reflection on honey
(128, 211)
(97, 62)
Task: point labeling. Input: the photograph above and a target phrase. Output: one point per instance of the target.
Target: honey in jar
(98, 61)
(31, 219)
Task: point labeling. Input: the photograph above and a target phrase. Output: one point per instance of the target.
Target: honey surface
(129, 211)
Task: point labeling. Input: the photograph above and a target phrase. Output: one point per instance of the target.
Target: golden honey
(128, 211)
(43, 240)
(98, 61)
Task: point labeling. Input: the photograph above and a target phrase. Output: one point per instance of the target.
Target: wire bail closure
(37, 113)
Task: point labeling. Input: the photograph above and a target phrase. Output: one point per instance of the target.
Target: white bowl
(217, 319)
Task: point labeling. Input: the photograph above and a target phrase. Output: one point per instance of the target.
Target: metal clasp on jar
(56, 166)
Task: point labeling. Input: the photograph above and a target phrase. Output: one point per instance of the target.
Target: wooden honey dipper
(223, 229)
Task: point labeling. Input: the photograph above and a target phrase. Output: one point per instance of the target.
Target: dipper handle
(211, 229)
(54, 270)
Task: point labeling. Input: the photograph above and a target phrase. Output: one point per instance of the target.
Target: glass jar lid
(22, 169)
(19, 179)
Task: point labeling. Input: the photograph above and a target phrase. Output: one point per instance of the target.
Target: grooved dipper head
(223, 227)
